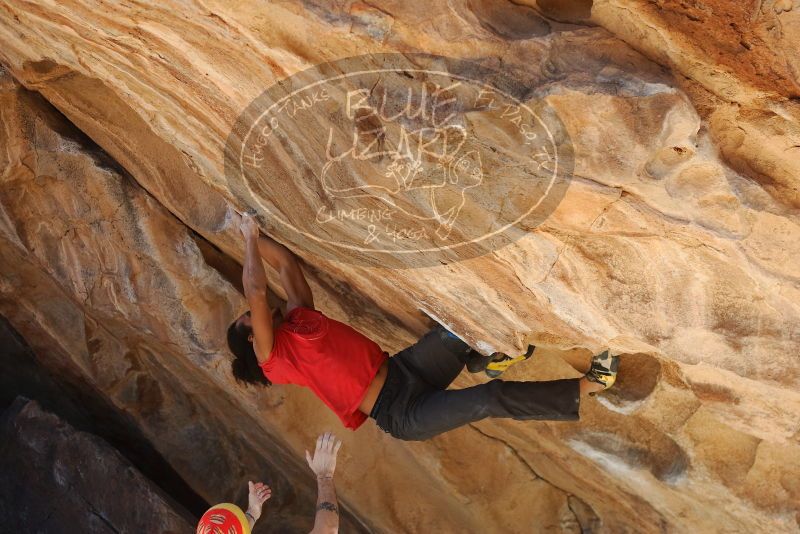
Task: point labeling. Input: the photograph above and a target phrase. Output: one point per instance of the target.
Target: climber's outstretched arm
(254, 280)
(298, 292)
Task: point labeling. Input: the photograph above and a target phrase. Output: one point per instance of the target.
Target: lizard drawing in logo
(424, 172)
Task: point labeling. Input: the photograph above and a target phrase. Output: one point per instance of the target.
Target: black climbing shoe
(500, 362)
(603, 370)
(476, 362)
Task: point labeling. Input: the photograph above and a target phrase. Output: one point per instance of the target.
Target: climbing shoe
(476, 362)
(603, 370)
(499, 362)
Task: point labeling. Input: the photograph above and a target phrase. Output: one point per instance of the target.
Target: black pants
(414, 403)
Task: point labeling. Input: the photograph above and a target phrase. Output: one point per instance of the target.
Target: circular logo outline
(495, 75)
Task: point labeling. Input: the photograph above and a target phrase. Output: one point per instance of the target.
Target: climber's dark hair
(245, 364)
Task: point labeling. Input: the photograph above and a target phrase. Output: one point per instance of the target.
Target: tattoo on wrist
(328, 507)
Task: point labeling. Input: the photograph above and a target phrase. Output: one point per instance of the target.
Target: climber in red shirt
(406, 394)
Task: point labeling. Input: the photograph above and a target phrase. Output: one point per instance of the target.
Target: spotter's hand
(323, 463)
(259, 494)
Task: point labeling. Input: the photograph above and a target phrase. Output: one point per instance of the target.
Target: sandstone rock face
(675, 242)
(85, 232)
(56, 479)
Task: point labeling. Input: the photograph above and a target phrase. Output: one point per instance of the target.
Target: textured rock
(95, 315)
(88, 411)
(56, 479)
(114, 296)
(676, 243)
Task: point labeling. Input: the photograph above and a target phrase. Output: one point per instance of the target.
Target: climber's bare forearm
(274, 253)
(283, 260)
(327, 519)
(254, 277)
(254, 280)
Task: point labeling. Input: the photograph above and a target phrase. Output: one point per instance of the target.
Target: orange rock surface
(676, 243)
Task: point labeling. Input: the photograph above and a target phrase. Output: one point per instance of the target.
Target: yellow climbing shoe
(501, 362)
(604, 369)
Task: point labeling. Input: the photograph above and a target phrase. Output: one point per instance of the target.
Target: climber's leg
(437, 358)
(434, 411)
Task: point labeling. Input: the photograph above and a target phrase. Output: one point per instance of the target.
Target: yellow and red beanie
(225, 518)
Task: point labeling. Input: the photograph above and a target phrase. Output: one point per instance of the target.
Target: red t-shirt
(330, 358)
